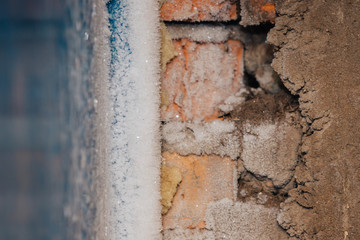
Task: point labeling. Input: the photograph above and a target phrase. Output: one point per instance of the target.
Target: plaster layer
(318, 59)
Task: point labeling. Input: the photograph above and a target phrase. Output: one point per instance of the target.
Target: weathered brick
(254, 12)
(205, 179)
(271, 150)
(199, 10)
(201, 78)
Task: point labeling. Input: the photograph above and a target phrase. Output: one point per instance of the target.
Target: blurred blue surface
(33, 145)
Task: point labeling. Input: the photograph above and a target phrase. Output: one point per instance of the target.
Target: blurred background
(34, 118)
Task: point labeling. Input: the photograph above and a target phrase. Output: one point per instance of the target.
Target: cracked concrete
(317, 58)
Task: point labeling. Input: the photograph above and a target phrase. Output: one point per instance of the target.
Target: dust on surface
(260, 106)
(262, 191)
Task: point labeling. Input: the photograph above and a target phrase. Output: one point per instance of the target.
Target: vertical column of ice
(134, 146)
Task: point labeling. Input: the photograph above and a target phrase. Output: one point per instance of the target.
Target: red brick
(198, 10)
(254, 12)
(204, 179)
(201, 78)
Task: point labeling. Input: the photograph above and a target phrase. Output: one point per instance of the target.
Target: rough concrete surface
(318, 60)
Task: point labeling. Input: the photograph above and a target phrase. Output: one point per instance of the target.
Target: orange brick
(254, 12)
(198, 10)
(200, 78)
(205, 179)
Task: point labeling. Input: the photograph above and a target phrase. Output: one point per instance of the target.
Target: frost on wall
(216, 137)
(204, 179)
(243, 220)
(193, 85)
(133, 151)
(205, 32)
(270, 150)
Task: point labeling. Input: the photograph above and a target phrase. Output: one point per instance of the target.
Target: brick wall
(205, 72)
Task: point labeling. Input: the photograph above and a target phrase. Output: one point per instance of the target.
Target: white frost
(209, 33)
(271, 150)
(243, 220)
(133, 147)
(217, 137)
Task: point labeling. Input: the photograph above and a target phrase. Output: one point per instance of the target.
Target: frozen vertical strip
(134, 144)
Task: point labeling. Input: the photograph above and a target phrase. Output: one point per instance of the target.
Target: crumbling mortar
(257, 185)
(283, 190)
(310, 125)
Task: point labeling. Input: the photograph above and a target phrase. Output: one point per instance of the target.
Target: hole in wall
(267, 101)
(250, 80)
(260, 189)
(258, 56)
(264, 99)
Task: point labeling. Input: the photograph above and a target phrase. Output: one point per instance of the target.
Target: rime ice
(133, 149)
(217, 137)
